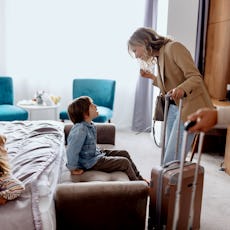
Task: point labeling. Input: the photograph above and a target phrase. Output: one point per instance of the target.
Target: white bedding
(36, 150)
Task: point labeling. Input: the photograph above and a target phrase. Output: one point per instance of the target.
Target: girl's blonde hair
(4, 163)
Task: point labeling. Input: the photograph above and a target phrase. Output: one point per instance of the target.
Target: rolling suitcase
(165, 179)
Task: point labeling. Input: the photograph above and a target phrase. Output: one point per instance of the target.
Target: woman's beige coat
(178, 70)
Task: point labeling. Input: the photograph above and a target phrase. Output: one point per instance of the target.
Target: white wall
(182, 22)
(45, 44)
(2, 37)
(178, 19)
(50, 42)
(162, 18)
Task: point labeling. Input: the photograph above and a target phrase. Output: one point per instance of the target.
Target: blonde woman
(177, 76)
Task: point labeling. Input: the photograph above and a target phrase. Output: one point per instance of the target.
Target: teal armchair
(102, 91)
(8, 111)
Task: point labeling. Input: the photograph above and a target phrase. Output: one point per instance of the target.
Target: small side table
(218, 103)
(39, 112)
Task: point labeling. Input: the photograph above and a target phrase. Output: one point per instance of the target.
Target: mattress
(36, 154)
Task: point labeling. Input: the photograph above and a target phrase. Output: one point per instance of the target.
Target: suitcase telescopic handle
(187, 125)
(178, 128)
(167, 96)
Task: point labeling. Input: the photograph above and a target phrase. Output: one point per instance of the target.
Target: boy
(82, 152)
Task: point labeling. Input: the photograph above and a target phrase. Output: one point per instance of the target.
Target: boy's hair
(79, 108)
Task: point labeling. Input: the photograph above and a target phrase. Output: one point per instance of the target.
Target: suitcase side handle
(171, 163)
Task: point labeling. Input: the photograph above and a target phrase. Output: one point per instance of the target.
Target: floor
(215, 211)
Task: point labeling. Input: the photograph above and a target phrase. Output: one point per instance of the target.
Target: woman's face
(140, 52)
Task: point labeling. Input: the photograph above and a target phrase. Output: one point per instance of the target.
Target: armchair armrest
(105, 133)
(102, 205)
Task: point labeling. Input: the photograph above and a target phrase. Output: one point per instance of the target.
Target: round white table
(39, 112)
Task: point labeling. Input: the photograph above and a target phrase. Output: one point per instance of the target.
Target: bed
(36, 152)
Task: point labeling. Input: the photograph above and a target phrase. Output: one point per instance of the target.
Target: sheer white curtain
(142, 114)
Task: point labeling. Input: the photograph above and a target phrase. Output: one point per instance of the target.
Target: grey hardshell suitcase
(176, 190)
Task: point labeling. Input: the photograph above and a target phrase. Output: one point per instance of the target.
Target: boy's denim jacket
(82, 151)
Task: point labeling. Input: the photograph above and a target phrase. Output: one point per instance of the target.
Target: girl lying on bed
(10, 187)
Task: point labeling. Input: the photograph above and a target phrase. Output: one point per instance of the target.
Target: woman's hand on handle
(176, 93)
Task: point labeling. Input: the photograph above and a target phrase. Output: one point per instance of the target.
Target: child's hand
(2, 200)
(77, 171)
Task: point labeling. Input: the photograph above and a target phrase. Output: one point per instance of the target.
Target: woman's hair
(79, 108)
(147, 37)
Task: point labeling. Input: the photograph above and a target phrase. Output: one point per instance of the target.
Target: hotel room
(45, 45)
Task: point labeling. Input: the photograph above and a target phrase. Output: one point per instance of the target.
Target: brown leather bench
(99, 200)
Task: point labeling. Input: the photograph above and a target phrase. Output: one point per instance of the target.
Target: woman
(177, 76)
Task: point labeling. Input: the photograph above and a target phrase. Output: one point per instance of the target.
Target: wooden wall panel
(227, 153)
(217, 61)
(219, 11)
